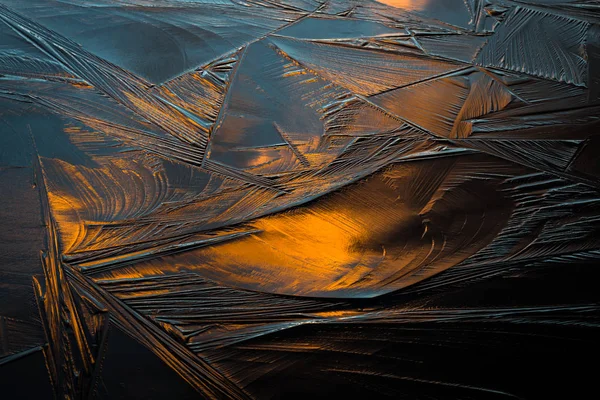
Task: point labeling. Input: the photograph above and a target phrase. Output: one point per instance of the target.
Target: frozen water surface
(299, 199)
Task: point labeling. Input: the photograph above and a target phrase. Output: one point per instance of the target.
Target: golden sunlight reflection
(384, 233)
(413, 5)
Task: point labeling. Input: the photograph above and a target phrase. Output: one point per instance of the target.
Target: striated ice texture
(278, 199)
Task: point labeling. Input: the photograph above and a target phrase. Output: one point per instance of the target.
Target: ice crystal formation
(262, 199)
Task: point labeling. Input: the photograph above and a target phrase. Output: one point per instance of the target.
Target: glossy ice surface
(299, 199)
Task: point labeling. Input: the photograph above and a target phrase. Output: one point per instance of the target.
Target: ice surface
(299, 198)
